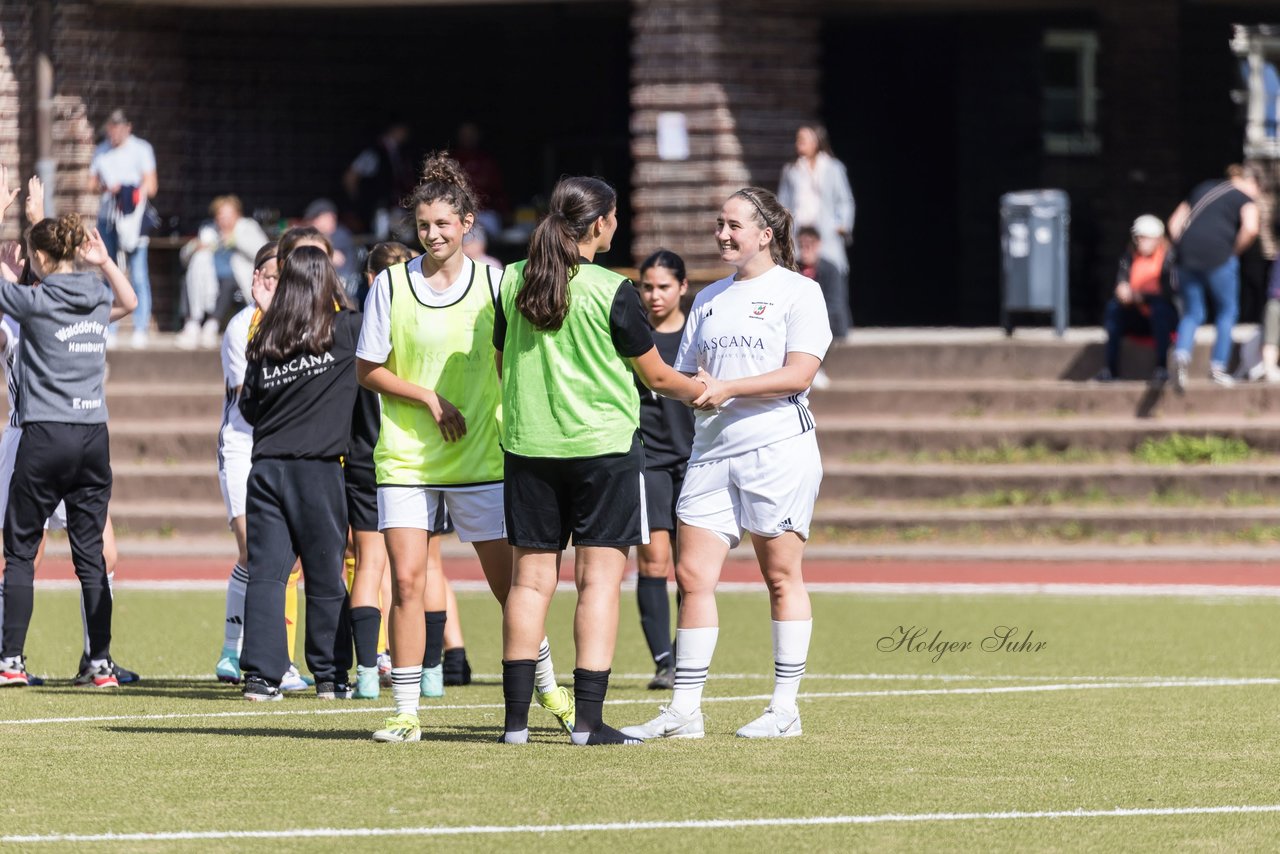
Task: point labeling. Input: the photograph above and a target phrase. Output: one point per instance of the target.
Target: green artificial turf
(874, 746)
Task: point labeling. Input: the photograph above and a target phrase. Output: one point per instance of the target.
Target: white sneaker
(668, 724)
(293, 681)
(1221, 377)
(189, 337)
(774, 723)
(139, 339)
(209, 335)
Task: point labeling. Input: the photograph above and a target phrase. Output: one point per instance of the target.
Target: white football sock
(406, 683)
(694, 648)
(544, 672)
(233, 628)
(790, 651)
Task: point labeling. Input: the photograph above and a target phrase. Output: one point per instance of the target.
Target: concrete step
(180, 519)
(842, 437)
(164, 363)
(143, 401)
(930, 354)
(164, 441)
(1119, 480)
(155, 482)
(982, 398)
(1078, 522)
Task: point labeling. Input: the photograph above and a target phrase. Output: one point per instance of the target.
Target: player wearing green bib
(426, 348)
(569, 334)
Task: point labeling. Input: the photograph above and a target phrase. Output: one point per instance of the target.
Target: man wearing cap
(1143, 300)
(123, 169)
(322, 215)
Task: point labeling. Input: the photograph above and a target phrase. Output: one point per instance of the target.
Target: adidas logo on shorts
(786, 525)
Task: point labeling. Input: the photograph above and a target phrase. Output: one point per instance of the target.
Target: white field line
(903, 692)
(1193, 591)
(633, 826)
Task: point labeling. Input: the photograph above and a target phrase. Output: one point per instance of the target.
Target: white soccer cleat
(668, 724)
(774, 723)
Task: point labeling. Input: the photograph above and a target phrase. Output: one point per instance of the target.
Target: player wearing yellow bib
(426, 347)
(570, 333)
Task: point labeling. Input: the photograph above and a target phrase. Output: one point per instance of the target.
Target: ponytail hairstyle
(771, 214)
(443, 179)
(386, 255)
(58, 238)
(298, 234)
(576, 204)
(300, 319)
(667, 260)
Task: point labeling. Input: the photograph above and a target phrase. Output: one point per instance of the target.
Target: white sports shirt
(746, 328)
(236, 434)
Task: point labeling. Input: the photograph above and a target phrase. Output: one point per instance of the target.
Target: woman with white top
(757, 339)
(815, 188)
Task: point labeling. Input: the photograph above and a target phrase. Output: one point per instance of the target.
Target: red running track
(816, 571)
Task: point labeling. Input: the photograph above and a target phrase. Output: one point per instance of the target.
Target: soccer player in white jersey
(757, 339)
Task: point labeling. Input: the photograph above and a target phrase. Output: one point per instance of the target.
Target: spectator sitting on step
(219, 267)
(1143, 299)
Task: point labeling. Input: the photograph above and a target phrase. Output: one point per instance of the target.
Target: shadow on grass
(177, 689)
(477, 734)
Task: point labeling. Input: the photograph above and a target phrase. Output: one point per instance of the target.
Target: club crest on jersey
(760, 308)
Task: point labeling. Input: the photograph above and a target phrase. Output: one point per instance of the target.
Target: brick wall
(745, 74)
(103, 57)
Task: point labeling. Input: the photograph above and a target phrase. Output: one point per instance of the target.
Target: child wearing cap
(1142, 303)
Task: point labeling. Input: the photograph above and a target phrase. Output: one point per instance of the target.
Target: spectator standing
(815, 189)
(219, 265)
(1143, 300)
(376, 181)
(486, 177)
(1217, 222)
(123, 170)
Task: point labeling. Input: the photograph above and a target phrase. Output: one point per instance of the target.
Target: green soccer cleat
(403, 727)
(433, 681)
(367, 685)
(228, 667)
(559, 702)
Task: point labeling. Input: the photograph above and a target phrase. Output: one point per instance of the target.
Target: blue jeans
(1121, 320)
(139, 275)
(1223, 286)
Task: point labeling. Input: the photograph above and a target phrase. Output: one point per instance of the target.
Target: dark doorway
(936, 117)
(278, 103)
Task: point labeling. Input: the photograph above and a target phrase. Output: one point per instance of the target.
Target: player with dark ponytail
(569, 332)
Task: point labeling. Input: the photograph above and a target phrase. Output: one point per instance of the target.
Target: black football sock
(365, 625)
(589, 688)
(435, 638)
(457, 670)
(517, 692)
(655, 618)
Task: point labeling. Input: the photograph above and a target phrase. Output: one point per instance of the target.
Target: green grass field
(1097, 720)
